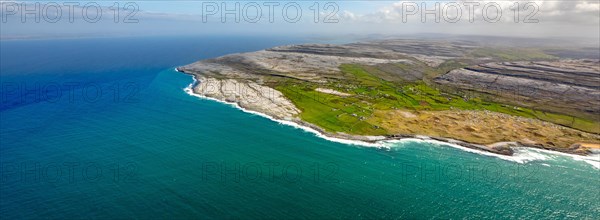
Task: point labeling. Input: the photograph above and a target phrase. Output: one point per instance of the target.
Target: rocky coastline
(246, 80)
(268, 101)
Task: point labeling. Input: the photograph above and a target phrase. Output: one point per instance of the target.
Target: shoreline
(509, 151)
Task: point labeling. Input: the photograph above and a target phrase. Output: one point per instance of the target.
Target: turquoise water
(153, 151)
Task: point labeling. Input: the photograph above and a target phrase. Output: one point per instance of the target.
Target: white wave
(593, 159)
(521, 154)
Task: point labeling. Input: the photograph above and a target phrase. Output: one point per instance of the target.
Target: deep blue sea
(102, 129)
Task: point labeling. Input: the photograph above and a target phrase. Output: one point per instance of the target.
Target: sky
(537, 19)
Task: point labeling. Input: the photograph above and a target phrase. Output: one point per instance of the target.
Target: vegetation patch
(372, 97)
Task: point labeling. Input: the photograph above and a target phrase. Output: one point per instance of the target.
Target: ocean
(102, 128)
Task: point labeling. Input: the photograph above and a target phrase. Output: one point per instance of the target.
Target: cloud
(545, 11)
(531, 18)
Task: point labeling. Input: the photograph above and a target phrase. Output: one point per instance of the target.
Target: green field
(369, 93)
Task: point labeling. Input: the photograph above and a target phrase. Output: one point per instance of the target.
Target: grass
(330, 112)
(371, 93)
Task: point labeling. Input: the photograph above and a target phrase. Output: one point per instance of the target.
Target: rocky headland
(483, 98)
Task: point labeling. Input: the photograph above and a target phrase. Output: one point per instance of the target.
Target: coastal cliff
(248, 95)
